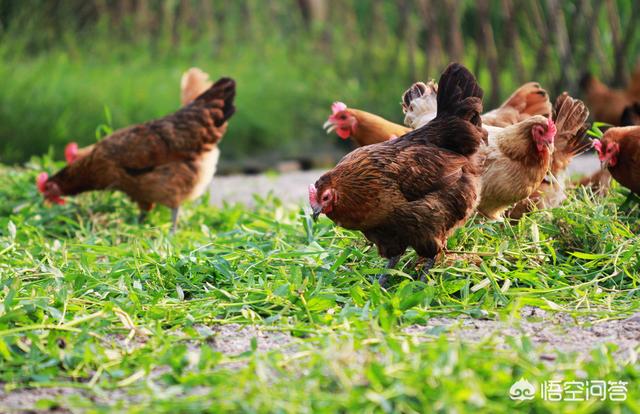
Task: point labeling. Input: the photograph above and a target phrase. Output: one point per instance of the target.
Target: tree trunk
(621, 46)
(616, 38)
(489, 49)
(456, 48)
(558, 29)
(542, 57)
(433, 43)
(513, 40)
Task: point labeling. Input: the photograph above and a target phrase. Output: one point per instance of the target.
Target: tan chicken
(511, 178)
(166, 161)
(528, 100)
(516, 161)
(570, 116)
(362, 127)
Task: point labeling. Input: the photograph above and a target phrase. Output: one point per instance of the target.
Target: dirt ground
(552, 333)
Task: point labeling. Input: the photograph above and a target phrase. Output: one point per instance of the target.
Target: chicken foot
(427, 264)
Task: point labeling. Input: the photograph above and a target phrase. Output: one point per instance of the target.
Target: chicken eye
(343, 117)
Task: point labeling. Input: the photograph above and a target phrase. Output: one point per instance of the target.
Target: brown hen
(166, 161)
(609, 104)
(415, 190)
(619, 152)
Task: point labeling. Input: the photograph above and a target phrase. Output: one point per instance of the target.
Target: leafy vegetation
(131, 317)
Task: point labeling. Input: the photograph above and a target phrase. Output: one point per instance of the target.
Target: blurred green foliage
(65, 61)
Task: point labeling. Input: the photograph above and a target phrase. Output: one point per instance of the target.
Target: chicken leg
(428, 264)
(175, 213)
(142, 216)
(383, 278)
(145, 208)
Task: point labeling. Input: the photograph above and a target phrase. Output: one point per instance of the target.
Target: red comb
(338, 107)
(313, 195)
(41, 181)
(551, 130)
(597, 144)
(71, 152)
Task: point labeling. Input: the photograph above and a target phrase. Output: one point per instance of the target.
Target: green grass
(89, 299)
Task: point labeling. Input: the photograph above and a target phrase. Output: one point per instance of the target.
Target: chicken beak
(329, 126)
(316, 212)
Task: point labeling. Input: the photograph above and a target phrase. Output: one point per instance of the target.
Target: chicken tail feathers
(570, 116)
(224, 89)
(457, 89)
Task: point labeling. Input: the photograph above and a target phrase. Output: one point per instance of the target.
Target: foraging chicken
(619, 153)
(194, 82)
(570, 117)
(167, 161)
(364, 128)
(419, 106)
(517, 160)
(607, 104)
(412, 191)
